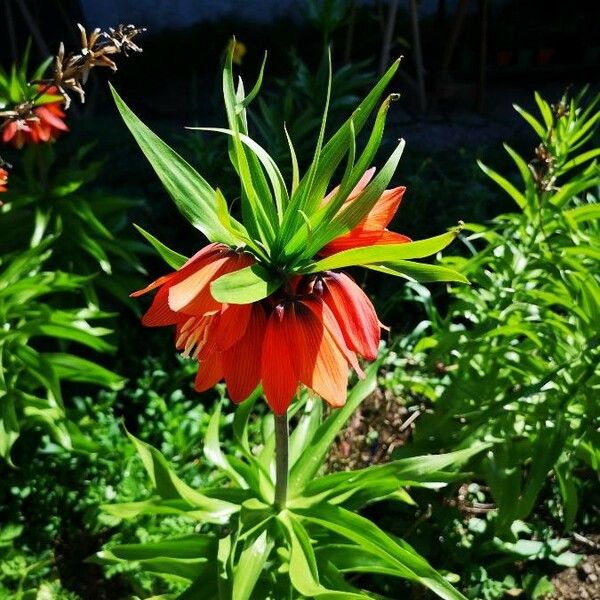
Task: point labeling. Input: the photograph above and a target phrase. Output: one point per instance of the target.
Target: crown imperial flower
(268, 301)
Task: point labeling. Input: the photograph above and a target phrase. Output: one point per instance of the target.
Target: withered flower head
(122, 37)
(542, 168)
(71, 71)
(38, 118)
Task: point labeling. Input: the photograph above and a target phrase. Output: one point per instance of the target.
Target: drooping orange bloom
(372, 229)
(3, 180)
(310, 333)
(353, 311)
(45, 125)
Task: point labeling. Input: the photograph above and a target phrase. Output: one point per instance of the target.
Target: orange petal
(359, 238)
(379, 217)
(51, 118)
(231, 325)
(205, 252)
(192, 294)
(326, 316)
(209, 373)
(324, 368)
(242, 362)
(159, 313)
(9, 132)
(278, 367)
(354, 313)
(360, 186)
(391, 237)
(189, 267)
(156, 283)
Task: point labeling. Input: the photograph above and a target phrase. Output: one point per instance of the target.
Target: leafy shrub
(517, 352)
(34, 360)
(54, 195)
(56, 238)
(273, 549)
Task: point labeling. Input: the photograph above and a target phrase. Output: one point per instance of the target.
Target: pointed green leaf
(250, 565)
(193, 196)
(424, 273)
(390, 253)
(169, 486)
(303, 566)
(399, 555)
(506, 185)
(535, 124)
(245, 286)
(309, 463)
(349, 217)
(172, 258)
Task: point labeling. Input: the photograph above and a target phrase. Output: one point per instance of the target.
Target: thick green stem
(281, 461)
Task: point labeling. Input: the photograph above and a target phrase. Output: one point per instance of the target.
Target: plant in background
(30, 384)
(294, 106)
(42, 315)
(266, 303)
(518, 350)
(31, 111)
(20, 572)
(51, 195)
(47, 197)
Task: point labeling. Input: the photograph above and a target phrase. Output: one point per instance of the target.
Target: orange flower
(371, 231)
(353, 311)
(3, 180)
(309, 334)
(17, 131)
(45, 124)
(224, 338)
(304, 344)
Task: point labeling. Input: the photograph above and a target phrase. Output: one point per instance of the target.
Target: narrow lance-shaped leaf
(301, 200)
(303, 566)
(350, 216)
(533, 122)
(389, 253)
(273, 172)
(192, 195)
(241, 106)
(309, 463)
(366, 534)
(172, 258)
(421, 272)
(335, 149)
(169, 486)
(506, 185)
(257, 202)
(363, 163)
(250, 565)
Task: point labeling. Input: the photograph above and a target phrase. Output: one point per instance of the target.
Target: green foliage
(297, 101)
(54, 495)
(517, 352)
(286, 227)
(15, 87)
(31, 378)
(245, 548)
(24, 576)
(52, 196)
